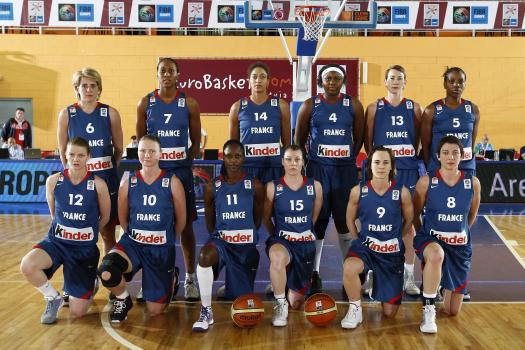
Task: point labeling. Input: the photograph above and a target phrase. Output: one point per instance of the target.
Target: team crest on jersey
(152, 99)
(410, 105)
(317, 100)
(274, 102)
(435, 180)
(346, 102)
(182, 102)
(468, 108)
(72, 110)
(380, 104)
(395, 195)
(91, 185)
(310, 190)
(60, 180)
(244, 102)
(104, 112)
(467, 183)
(248, 184)
(165, 182)
(279, 187)
(218, 183)
(364, 189)
(439, 108)
(133, 181)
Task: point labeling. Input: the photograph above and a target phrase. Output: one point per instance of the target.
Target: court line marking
(104, 317)
(507, 244)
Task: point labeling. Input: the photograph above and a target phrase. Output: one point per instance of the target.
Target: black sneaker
(140, 297)
(175, 284)
(121, 308)
(316, 283)
(65, 298)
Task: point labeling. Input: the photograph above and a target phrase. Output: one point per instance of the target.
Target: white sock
(205, 275)
(124, 295)
(47, 290)
(190, 276)
(318, 252)
(345, 240)
(356, 303)
(409, 268)
(280, 297)
(429, 296)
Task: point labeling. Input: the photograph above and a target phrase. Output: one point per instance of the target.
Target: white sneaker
(221, 291)
(409, 286)
(353, 317)
(205, 320)
(428, 325)
(280, 313)
(191, 290)
(366, 288)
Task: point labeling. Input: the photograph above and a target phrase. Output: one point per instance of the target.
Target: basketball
(247, 311)
(320, 309)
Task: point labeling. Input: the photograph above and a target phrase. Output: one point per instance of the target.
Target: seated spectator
(483, 146)
(19, 128)
(15, 151)
(133, 143)
(522, 153)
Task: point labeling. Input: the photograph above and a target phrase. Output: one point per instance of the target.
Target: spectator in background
(15, 151)
(133, 143)
(522, 153)
(483, 146)
(19, 128)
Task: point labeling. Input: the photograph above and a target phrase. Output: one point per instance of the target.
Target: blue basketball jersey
(447, 208)
(76, 211)
(331, 131)
(293, 210)
(394, 128)
(381, 219)
(151, 210)
(260, 130)
(94, 127)
(170, 122)
(234, 222)
(458, 122)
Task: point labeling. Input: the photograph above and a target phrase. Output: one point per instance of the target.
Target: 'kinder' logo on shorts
(148, 237)
(74, 234)
(262, 150)
(98, 164)
(297, 236)
(173, 154)
(452, 238)
(333, 151)
(237, 236)
(388, 247)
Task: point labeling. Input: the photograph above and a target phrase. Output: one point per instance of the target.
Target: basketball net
(312, 18)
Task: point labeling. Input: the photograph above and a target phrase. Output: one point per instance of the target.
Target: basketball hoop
(312, 18)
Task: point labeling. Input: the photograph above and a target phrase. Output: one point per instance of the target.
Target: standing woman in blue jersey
(262, 124)
(384, 208)
(175, 118)
(152, 212)
(394, 122)
(233, 205)
(293, 202)
(79, 203)
(330, 126)
(450, 198)
(451, 115)
(100, 125)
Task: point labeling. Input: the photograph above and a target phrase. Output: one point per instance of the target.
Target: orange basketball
(320, 309)
(247, 311)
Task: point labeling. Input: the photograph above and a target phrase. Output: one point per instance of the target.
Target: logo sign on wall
(156, 13)
(116, 12)
(35, 12)
(6, 11)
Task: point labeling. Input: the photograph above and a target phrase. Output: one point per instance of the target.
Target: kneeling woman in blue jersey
(233, 205)
(385, 211)
(451, 200)
(295, 202)
(79, 204)
(152, 211)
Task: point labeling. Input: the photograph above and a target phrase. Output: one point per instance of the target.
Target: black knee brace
(116, 265)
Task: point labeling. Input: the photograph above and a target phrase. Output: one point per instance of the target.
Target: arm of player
(476, 198)
(420, 196)
(285, 123)
(51, 182)
(62, 136)
(123, 205)
(195, 127)
(426, 133)
(359, 125)
(116, 134)
(418, 113)
(179, 204)
(104, 202)
(302, 128)
(407, 209)
(351, 212)
(268, 208)
(369, 126)
(258, 203)
(140, 124)
(235, 133)
(476, 123)
(318, 204)
(209, 206)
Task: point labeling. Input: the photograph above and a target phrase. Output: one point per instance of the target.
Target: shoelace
(119, 306)
(49, 305)
(205, 314)
(279, 308)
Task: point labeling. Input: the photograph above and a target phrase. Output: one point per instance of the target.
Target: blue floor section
(496, 274)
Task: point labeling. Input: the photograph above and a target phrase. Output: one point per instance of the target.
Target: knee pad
(320, 228)
(116, 265)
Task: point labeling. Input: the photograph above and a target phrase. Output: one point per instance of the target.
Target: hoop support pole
(329, 32)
